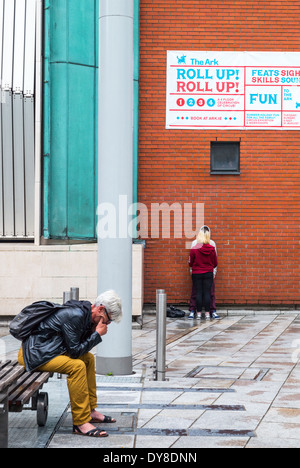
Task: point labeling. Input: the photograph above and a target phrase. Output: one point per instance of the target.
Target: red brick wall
(254, 217)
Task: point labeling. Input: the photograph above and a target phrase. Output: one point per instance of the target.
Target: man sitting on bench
(62, 343)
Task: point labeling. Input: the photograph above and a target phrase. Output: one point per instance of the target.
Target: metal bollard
(161, 317)
(66, 296)
(158, 292)
(75, 294)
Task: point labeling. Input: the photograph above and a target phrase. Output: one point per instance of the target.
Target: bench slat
(25, 387)
(19, 384)
(4, 372)
(28, 392)
(4, 364)
(21, 387)
(11, 375)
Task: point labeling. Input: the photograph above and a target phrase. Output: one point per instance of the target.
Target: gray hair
(112, 303)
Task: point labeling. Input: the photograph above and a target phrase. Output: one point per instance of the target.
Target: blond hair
(203, 237)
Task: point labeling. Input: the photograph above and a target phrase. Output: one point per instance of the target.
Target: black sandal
(106, 420)
(93, 433)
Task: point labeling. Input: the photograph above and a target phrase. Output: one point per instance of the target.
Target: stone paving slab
(232, 383)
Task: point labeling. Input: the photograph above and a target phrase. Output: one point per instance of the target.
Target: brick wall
(254, 217)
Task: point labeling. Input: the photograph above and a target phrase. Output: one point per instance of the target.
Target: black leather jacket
(67, 331)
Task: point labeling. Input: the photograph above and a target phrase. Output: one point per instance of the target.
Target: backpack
(24, 324)
(173, 312)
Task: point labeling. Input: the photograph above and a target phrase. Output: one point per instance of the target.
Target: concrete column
(114, 354)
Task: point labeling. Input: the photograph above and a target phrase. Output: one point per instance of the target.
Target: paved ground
(231, 383)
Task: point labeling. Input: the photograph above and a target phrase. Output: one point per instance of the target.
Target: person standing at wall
(203, 261)
(192, 308)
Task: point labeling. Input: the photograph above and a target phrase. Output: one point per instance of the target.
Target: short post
(161, 333)
(66, 296)
(75, 294)
(158, 292)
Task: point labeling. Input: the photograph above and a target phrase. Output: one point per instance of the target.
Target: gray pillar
(115, 181)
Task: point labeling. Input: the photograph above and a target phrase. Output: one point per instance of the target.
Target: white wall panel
(17, 119)
(8, 44)
(1, 183)
(29, 65)
(29, 164)
(1, 33)
(8, 165)
(19, 42)
(19, 179)
(1, 99)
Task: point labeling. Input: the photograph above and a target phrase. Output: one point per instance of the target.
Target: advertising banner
(233, 90)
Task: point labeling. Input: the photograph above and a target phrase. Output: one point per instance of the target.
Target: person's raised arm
(72, 333)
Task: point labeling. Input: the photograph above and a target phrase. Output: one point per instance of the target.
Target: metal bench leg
(4, 421)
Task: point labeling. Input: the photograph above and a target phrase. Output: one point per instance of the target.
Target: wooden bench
(17, 387)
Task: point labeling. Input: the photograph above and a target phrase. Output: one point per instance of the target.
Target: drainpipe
(136, 77)
(38, 122)
(46, 152)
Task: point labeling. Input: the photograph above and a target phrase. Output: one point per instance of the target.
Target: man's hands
(101, 328)
(100, 319)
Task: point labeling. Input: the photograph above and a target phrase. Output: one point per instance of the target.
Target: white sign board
(233, 90)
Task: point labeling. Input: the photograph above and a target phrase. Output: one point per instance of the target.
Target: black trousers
(203, 283)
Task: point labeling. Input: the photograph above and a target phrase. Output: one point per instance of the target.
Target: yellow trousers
(81, 382)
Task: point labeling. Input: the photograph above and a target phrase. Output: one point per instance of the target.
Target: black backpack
(173, 312)
(24, 324)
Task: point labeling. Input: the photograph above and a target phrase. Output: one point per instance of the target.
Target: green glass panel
(71, 117)
(81, 154)
(70, 107)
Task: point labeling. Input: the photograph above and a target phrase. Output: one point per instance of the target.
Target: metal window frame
(213, 170)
